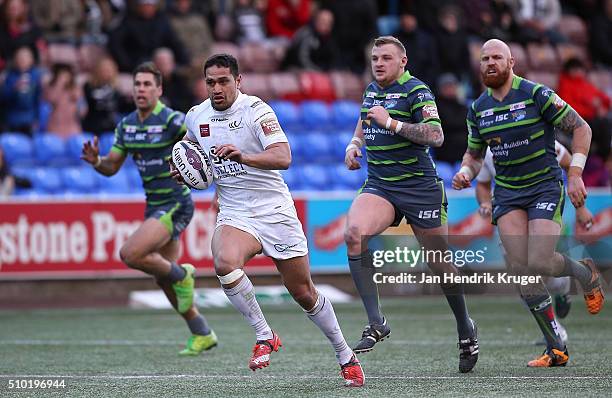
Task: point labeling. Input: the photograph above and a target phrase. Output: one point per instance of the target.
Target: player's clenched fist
(379, 115)
(461, 180)
(350, 158)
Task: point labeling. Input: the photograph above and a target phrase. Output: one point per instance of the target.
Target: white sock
(560, 285)
(322, 314)
(243, 299)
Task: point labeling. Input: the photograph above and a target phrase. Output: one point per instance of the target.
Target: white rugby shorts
(280, 234)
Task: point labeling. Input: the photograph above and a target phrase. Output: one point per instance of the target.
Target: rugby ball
(193, 164)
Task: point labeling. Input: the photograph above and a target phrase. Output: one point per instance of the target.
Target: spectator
(65, 97)
(16, 30)
(285, 17)
(601, 32)
(248, 22)
(313, 47)
(192, 29)
(538, 21)
(590, 103)
(21, 93)
(7, 181)
(60, 20)
(494, 20)
(135, 40)
(104, 102)
(452, 113)
(354, 28)
(176, 89)
(97, 15)
(420, 49)
(451, 42)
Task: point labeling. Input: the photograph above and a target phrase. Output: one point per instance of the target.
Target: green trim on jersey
(503, 184)
(407, 161)
(158, 107)
(402, 176)
(510, 125)
(404, 77)
(151, 178)
(557, 216)
(536, 135)
(118, 150)
(524, 159)
(504, 108)
(526, 176)
(387, 147)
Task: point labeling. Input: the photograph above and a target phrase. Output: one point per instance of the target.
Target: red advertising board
(73, 239)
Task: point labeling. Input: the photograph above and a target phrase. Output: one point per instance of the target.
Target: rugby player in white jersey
(247, 147)
(559, 286)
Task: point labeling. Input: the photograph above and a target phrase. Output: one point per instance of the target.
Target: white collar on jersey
(241, 97)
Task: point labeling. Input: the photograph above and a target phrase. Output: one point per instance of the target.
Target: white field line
(289, 377)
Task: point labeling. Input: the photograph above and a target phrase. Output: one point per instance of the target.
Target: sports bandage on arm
(356, 143)
(467, 171)
(98, 162)
(578, 160)
(393, 124)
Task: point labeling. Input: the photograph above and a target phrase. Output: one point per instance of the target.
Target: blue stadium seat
(339, 142)
(315, 177)
(46, 180)
(316, 115)
(116, 184)
(297, 143)
(106, 142)
(80, 180)
(74, 146)
(318, 147)
(292, 178)
(288, 114)
(50, 150)
(387, 24)
(446, 171)
(18, 149)
(345, 179)
(345, 114)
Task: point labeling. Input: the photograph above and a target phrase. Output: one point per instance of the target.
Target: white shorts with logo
(280, 234)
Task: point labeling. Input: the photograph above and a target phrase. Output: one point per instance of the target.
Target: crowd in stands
(65, 65)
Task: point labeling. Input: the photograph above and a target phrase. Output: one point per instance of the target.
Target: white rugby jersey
(487, 171)
(251, 125)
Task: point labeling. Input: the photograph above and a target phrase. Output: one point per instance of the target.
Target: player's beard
(498, 80)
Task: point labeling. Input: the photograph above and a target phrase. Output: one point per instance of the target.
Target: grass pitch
(121, 352)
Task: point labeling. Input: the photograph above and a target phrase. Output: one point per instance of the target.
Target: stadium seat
(62, 53)
(116, 184)
(106, 141)
(543, 57)
(46, 180)
(79, 180)
(445, 171)
(546, 78)
(316, 115)
(339, 142)
(18, 149)
(318, 147)
(347, 85)
(286, 86)
(315, 177)
(521, 62)
(387, 24)
(258, 58)
(74, 146)
(317, 85)
(345, 179)
(345, 113)
(568, 50)
(44, 111)
(602, 79)
(224, 47)
(574, 28)
(257, 84)
(292, 178)
(50, 150)
(288, 114)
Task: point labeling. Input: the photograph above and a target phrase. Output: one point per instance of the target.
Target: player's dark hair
(382, 40)
(149, 67)
(223, 61)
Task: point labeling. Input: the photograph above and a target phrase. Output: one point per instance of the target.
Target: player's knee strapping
(231, 277)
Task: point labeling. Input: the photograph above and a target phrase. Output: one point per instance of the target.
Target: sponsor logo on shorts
(548, 206)
(283, 247)
(204, 130)
(428, 214)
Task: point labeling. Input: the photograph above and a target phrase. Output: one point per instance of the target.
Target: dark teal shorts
(541, 201)
(175, 215)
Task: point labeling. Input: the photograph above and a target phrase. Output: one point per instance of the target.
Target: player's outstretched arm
(470, 167)
(276, 156)
(573, 124)
(106, 165)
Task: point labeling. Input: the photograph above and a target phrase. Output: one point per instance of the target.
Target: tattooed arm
(422, 133)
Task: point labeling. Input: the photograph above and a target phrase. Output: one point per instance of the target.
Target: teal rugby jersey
(393, 159)
(520, 132)
(150, 144)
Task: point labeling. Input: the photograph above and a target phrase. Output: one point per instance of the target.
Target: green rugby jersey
(393, 159)
(520, 132)
(150, 144)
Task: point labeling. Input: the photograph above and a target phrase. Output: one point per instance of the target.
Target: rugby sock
(560, 285)
(322, 314)
(177, 273)
(198, 325)
(577, 270)
(456, 300)
(541, 309)
(362, 272)
(243, 299)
